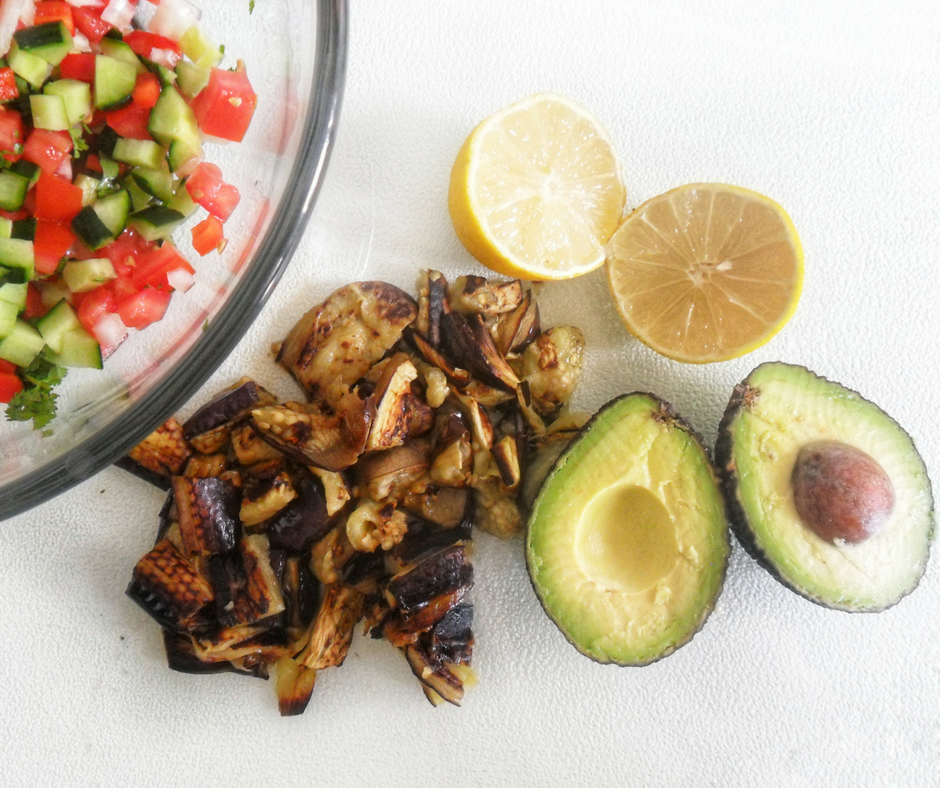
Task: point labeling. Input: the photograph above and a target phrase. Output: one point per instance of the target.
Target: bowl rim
(244, 303)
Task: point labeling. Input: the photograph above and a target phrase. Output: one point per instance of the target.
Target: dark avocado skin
(742, 393)
(666, 412)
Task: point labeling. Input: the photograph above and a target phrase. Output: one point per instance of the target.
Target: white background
(831, 109)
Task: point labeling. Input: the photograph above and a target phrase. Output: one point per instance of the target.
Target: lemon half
(706, 272)
(536, 191)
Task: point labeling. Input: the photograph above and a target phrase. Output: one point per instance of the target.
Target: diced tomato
(122, 288)
(57, 199)
(130, 121)
(7, 366)
(207, 235)
(144, 42)
(155, 263)
(47, 148)
(143, 308)
(225, 105)
(90, 24)
(93, 163)
(10, 386)
(8, 88)
(52, 241)
(34, 303)
(54, 11)
(92, 305)
(124, 253)
(78, 65)
(146, 91)
(11, 129)
(207, 189)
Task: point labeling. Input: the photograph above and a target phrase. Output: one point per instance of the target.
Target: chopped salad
(102, 126)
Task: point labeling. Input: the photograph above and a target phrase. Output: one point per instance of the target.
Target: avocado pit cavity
(626, 540)
(841, 493)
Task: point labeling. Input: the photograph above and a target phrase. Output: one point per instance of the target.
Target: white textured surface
(832, 109)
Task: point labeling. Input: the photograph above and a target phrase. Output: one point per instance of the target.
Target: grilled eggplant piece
(468, 342)
(476, 294)
(331, 632)
(392, 473)
(263, 586)
(516, 330)
(168, 587)
(336, 342)
(312, 435)
(448, 507)
(330, 555)
(399, 414)
(552, 367)
(229, 406)
(266, 490)
(438, 573)
(208, 513)
(250, 449)
(160, 455)
(495, 509)
(437, 676)
(372, 525)
(451, 638)
(295, 685)
(305, 520)
(181, 657)
(203, 465)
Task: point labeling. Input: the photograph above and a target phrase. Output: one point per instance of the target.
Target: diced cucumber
(24, 229)
(103, 221)
(51, 41)
(56, 322)
(158, 182)
(191, 78)
(8, 314)
(199, 49)
(183, 202)
(14, 294)
(75, 94)
(79, 349)
(49, 112)
(6, 227)
(139, 153)
(32, 68)
(114, 81)
(119, 50)
(109, 167)
(17, 256)
(156, 222)
(84, 275)
(172, 118)
(22, 344)
(89, 187)
(13, 188)
(182, 153)
(139, 198)
(27, 169)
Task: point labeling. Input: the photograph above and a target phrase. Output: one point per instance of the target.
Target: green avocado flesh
(627, 543)
(772, 415)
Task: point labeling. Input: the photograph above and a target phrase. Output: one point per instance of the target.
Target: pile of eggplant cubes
(288, 524)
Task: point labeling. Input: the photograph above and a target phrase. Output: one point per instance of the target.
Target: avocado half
(627, 542)
(774, 416)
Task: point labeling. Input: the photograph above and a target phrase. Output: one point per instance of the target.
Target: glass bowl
(295, 55)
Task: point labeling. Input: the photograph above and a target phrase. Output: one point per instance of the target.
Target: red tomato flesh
(207, 189)
(52, 241)
(47, 148)
(10, 386)
(8, 88)
(78, 65)
(54, 11)
(225, 105)
(207, 235)
(144, 307)
(90, 24)
(57, 199)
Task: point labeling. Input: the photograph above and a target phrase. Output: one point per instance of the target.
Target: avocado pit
(626, 540)
(841, 493)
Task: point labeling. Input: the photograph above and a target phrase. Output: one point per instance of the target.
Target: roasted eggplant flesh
(291, 524)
